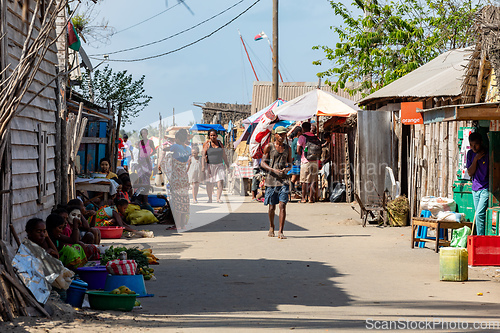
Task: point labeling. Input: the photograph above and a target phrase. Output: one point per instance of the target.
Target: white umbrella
(316, 102)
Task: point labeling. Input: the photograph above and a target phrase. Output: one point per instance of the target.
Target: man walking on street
(309, 148)
(277, 161)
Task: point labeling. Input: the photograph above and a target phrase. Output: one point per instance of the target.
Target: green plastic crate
(492, 219)
(462, 194)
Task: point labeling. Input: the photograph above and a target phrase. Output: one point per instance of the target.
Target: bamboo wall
(432, 161)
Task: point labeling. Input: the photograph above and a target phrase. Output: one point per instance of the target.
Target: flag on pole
(260, 36)
(73, 40)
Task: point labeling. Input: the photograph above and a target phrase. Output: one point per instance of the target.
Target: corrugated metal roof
(441, 76)
(262, 94)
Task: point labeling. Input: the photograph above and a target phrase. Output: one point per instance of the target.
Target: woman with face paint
(89, 234)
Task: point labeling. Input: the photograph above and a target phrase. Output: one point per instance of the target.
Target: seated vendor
(37, 233)
(72, 217)
(88, 233)
(71, 253)
(478, 170)
(105, 168)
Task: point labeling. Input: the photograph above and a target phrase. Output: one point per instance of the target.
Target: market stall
(311, 105)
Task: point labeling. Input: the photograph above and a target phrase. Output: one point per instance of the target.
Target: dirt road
(330, 274)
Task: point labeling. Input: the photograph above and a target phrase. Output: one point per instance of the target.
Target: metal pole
(275, 86)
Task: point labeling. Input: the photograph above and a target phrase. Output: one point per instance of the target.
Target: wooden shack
(28, 172)
(424, 157)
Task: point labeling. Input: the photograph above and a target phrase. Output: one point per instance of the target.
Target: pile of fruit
(148, 273)
(122, 290)
(152, 260)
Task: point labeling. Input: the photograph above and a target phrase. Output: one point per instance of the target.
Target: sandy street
(329, 275)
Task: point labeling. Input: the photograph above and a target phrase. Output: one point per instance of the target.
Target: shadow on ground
(221, 286)
(242, 222)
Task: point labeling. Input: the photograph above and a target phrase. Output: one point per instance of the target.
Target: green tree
(119, 89)
(388, 40)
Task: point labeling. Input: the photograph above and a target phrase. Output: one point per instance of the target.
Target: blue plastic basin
(133, 282)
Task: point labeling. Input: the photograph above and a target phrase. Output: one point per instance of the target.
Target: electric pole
(275, 85)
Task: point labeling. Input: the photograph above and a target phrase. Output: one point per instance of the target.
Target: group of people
(288, 165)
(67, 234)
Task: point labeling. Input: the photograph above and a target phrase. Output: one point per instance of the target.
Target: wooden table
(434, 224)
(103, 187)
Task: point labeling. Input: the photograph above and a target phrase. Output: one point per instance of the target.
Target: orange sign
(409, 114)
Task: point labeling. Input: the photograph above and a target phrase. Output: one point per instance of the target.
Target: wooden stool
(434, 224)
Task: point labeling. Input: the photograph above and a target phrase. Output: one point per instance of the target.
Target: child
(71, 254)
(194, 171)
(37, 233)
(113, 215)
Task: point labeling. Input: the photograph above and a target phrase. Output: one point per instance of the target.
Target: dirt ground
(329, 275)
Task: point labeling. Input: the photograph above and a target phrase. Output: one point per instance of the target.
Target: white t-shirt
(127, 149)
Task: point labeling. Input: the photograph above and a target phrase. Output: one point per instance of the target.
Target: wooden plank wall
(25, 127)
(435, 161)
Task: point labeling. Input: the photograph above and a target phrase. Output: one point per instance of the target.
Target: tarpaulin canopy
(316, 102)
(207, 127)
(253, 119)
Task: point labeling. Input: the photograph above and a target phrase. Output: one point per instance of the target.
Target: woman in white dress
(194, 171)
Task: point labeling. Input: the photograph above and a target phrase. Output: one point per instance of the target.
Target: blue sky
(215, 69)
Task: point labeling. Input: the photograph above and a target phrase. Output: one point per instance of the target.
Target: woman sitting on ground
(71, 253)
(37, 233)
(88, 234)
(71, 217)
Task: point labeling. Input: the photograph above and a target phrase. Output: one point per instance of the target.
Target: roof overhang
(477, 111)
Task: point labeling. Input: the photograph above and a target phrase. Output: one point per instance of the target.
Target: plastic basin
(133, 282)
(103, 300)
(94, 276)
(154, 201)
(111, 232)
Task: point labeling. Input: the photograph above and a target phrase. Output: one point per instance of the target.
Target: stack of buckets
(76, 293)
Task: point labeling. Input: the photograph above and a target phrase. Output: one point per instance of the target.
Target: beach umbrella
(316, 103)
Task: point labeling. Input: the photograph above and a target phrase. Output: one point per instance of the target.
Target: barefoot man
(277, 161)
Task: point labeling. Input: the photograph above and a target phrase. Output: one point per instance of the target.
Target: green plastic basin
(104, 300)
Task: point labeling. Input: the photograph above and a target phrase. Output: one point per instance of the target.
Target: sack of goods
(437, 204)
(312, 150)
(121, 267)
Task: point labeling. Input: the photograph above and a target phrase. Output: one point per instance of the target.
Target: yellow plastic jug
(453, 264)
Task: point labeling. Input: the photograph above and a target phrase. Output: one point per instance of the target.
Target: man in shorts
(308, 162)
(277, 161)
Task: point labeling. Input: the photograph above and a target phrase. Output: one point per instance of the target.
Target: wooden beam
(478, 113)
(480, 74)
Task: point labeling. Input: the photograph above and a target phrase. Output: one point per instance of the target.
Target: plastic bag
(130, 209)
(140, 217)
(450, 216)
(338, 192)
(437, 204)
(459, 237)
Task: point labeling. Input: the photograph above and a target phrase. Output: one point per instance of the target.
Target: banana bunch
(152, 259)
(122, 291)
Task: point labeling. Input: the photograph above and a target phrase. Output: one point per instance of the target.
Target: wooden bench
(434, 224)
